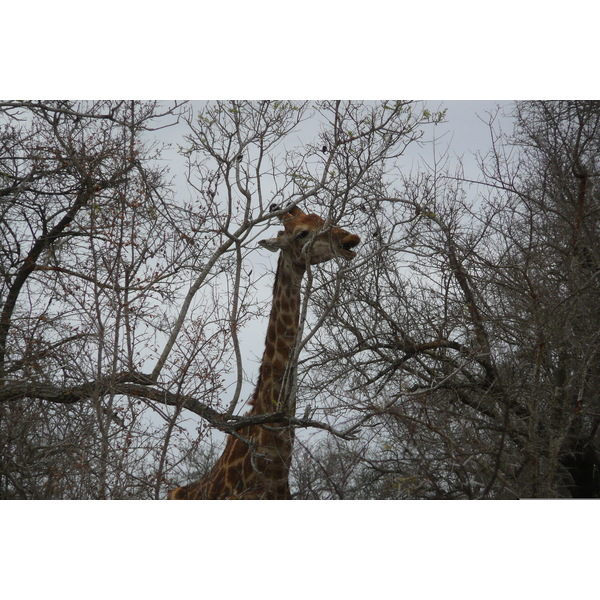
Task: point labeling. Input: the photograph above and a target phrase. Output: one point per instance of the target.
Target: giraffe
(257, 466)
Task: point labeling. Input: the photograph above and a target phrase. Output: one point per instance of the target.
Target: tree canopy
(456, 357)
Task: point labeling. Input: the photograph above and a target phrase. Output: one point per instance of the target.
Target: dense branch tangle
(108, 272)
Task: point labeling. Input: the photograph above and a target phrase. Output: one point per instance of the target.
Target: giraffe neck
(276, 372)
(261, 470)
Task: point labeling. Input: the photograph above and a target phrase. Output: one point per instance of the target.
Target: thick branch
(29, 265)
(139, 385)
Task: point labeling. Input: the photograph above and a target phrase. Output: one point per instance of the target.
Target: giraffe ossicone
(255, 464)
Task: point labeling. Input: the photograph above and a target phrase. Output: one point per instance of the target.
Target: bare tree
(84, 224)
(122, 301)
(467, 348)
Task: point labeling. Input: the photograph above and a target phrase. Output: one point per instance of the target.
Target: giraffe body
(257, 466)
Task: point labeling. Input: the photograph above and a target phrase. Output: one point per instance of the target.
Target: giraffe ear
(273, 244)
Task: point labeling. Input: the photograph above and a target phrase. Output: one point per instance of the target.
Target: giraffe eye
(302, 234)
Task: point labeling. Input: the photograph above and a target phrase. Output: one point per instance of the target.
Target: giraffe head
(310, 238)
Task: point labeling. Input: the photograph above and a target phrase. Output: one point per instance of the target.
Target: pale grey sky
(463, 134)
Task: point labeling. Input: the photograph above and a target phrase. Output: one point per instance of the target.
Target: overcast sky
(463, 134)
